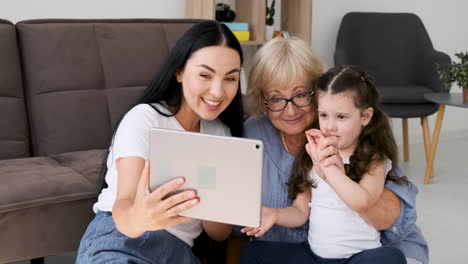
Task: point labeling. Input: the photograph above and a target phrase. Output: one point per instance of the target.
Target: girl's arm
(295, 215)
(327, 162)
(358, 196)
(385, 211)
(217, 231)
(137, 210)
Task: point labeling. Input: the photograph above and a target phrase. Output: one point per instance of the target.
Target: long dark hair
(376, 141)
(165, 88)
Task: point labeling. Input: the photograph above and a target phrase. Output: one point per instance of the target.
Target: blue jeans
(103, 243)
(263, 252)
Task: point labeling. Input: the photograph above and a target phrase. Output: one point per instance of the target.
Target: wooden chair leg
(405, 139)
(435, 139)
(427, 139)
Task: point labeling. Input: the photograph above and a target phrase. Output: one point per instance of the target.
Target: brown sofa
(64, 84)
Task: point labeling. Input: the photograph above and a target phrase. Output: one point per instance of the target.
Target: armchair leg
(37, 261)
(435, 139)
(405, 139)
(427, 139)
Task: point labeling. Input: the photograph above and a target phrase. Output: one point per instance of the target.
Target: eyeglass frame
(291, 99)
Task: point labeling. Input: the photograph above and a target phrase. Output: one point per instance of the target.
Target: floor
(442, 204)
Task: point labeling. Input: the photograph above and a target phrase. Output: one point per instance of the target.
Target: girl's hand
(322, 146)
(327, 147)
(334, 160)
(314, 138)
(322, 149)
(329, 154)
(151, 212)
(268, 220)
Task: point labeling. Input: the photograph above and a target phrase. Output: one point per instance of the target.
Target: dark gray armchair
(396, 49)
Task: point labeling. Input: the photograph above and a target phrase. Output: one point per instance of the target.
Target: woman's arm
(395, 208)
(295, 215)
(136, 209)
(385, 211)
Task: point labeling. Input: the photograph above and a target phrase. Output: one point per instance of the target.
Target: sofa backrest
(14, 135)
(81, 76)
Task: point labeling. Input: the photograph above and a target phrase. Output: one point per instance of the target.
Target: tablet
(226, 173)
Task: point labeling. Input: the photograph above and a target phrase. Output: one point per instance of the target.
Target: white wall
(445, 21)
(16, 10)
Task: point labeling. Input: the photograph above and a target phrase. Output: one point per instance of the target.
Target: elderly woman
(280, 97)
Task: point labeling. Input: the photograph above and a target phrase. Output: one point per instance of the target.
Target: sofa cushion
(81, 76)
(39, 181)
(14, 135)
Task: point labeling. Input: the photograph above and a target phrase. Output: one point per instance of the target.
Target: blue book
(237, 26)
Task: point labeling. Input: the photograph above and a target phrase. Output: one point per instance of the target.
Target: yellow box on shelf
(242, 35)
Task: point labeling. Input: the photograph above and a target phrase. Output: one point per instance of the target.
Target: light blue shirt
(277, 165)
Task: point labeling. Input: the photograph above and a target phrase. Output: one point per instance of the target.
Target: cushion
(38, 181)
(14, 135)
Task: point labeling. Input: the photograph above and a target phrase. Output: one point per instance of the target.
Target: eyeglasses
(277, 104)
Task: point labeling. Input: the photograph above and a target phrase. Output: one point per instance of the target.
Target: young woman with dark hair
(197, 89)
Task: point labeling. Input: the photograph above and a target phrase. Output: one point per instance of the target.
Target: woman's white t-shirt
(132, 139)
(336, 230)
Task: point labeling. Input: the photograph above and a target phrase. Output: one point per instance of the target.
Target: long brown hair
(376, 141)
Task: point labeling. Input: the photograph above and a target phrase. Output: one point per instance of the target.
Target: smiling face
(210, 80)
(339, 116)
(292, 120)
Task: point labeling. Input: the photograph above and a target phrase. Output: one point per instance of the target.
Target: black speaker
(224, 13)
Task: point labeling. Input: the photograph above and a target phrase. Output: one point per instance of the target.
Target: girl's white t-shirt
(132, 139)
(336, 230)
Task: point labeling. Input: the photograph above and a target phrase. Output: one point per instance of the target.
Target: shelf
(296, 16)
(252, 42)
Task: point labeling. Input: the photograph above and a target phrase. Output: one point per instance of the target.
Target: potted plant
(269, 20)
(456, 72)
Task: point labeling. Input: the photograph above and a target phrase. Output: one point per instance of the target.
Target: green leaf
(456, 72)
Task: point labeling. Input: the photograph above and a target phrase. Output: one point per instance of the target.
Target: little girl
(346, 162)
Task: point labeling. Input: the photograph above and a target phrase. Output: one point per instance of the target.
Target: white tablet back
(226, 173)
